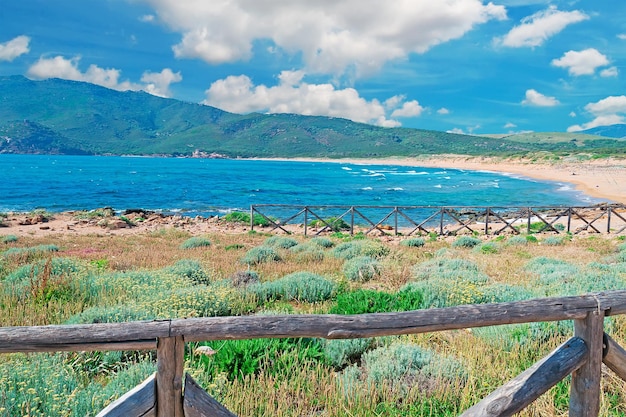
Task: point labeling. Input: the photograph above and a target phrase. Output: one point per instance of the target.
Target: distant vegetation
(67, 117)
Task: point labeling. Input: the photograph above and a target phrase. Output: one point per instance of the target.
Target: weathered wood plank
(83, 347)
(84, 337)
(169, 378)
(615, 357)
(584, 400)
(140, 401)
(198, 403)
(383, 324)
(522, 390)
(81, 336)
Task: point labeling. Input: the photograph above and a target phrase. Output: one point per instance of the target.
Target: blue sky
(466, 66)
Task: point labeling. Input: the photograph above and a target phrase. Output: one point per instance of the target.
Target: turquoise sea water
(213, 186)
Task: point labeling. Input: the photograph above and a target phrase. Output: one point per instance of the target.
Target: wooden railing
(162, 394)
(604, 218)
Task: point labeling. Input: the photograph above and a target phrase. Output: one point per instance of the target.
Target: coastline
(599, 178)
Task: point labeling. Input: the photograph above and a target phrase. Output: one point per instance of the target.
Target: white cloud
(147, 18)
(238, 94)
(443, 111)
(333, 37)
(60, 67)
(609, 72)
(409, 109)
(470, 130)
(622, 36)
(510, 125)
(535, 98)
(581, 62)
(14, 48)
(608, 111)
(572, 114)
(534, 30)
(456, 130)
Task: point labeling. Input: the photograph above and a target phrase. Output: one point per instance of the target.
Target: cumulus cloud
(534, 30)
(622, 36)
(609, 72)
(608, 111)
(581, 62)
(409, 109)
(14, 48)
(333, 37)
(535, 98)
(61, 67)
(238, 94)
(510, 125)
(443, 111)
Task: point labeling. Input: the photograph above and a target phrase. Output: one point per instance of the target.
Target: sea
(208, 187)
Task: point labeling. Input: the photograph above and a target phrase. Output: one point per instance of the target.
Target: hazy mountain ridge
(68, 117)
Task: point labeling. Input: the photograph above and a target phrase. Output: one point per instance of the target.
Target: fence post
(569, 219)
(395, 210)
(608, 220)
(351, 220)
(529, 217)
(251, 217)
(306, 220)
(585, 390)
(443, 210)
(169, 380)
(487, 220)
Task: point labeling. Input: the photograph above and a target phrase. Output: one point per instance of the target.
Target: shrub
(487, 247)
(195, 242)
(298, 286)
(260, 254)
(554, 240)
(416, 242)
(332, 223)
(308, 252)
(280, 242)
(449, 269)
(244, 278)
(8, 239)
(466, 242)
(240, 358)
(111, 314)
(323, 242)
(241, 217)
(190, 269)
(517, 241)
(402, 363)
(531, 239)
(342, 352)
(369, 301)
(349, 250)
(361, 268)
(30, 251)
(234, 246)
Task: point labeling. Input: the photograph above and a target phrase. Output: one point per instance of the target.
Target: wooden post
(487, 220)
(608, 220)
(395, 210)
(585, 391)
(169, 382)
(306, 220)
(351, 220)
(615, 357)
(569, 219)
(251, 217)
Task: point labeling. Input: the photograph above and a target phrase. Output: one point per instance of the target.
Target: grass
(94, 279)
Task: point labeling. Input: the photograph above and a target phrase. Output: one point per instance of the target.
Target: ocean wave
(395, 189)
(346, 168)
(438, 186)
(367, 188)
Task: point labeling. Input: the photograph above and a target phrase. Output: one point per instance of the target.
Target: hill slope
(68, 117)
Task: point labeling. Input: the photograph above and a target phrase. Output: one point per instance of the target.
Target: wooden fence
(603, 218)
(162, 394)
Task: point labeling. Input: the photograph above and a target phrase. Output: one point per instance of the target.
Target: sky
(463, 66)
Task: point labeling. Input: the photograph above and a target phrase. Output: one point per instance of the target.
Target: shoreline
(598, 178)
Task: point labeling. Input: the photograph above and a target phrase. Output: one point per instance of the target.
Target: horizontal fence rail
(162, 394)
(448, 220)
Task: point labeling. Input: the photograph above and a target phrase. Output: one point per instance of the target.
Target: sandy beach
(600, 178)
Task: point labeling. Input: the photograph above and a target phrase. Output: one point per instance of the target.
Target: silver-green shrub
(259, 255)
(299, 286)
(361, 268)
(280, 242)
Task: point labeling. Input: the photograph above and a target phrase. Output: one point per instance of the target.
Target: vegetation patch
(361, 268)
(259, 255)
(244, 218)
(195, 242)
(298, 286)
(369, 301)
(416, 242)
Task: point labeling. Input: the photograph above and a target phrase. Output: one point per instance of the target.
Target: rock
(117, 224)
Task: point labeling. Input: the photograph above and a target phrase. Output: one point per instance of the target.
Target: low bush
(554, 241)
(466, 242)
(517, 241)
(259, 255)
(240, 358)
(308, 252)
(8, 239)
(361, 268)
(349, 250)
(324, 242)
(235, 246)
(332, 223)
(190, 269)
(30, 251)
(195, 242)
(416, 242)
(342, 352)
(241, 217)
(298, 286)
(369, 301)
(280, 242)
(487, 248)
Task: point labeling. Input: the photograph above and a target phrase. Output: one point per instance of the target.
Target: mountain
(67, 117)
(612, 131)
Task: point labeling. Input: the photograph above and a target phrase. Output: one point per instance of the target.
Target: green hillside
(67, 117)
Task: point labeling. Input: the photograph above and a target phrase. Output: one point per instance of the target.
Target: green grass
(195, 242)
